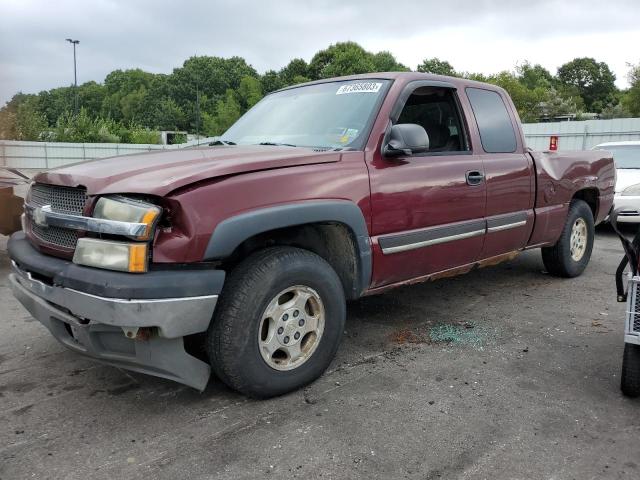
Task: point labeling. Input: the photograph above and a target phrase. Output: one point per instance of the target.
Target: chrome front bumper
(99, 327)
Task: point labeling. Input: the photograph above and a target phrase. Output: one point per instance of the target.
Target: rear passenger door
(509, 173)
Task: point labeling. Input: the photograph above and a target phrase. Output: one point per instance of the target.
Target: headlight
(632, 190)
(126, 257)
(124, 209)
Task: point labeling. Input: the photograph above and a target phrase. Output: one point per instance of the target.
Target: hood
(625, 177)
(159, 173)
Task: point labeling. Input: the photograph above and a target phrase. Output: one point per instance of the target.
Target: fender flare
(231, 232)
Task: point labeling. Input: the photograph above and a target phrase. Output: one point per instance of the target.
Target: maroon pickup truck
(239, 257)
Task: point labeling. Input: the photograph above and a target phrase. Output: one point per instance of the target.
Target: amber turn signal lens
(138, 257)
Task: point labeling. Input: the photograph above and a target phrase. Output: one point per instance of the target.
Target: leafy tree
(349, 58)
(271, 81)
(249, 91)
(615, 111)
(557, 104)
(30, 122)
(534, 76)
(55, 102)
(631, 98)
(90, 97)
(228, 110)
(385, 62)
(166, 114)
(295, 68)
(594, 81)
(438, 67)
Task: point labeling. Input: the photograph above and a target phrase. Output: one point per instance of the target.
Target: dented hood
(160, 172)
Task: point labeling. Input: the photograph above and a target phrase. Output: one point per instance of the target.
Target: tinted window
(494, 123)
(436, 111)
(625, 156)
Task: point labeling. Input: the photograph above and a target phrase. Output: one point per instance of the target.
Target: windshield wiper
(274, 144)
(222, 142)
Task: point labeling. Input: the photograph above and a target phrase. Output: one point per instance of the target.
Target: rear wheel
(630, 379)
(571, 253)
(278, 323)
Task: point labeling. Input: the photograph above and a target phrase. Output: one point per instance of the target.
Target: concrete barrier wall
(45, 155)
(571, 136)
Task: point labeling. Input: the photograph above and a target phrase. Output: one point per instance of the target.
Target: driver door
(428, 209)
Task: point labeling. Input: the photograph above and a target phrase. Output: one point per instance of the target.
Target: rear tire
(278, 322)
(570, 255)
(630, 379)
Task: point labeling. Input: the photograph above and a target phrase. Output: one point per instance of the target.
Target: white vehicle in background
(626, 156)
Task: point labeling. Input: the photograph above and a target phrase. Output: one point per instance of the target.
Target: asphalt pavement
(503, 373)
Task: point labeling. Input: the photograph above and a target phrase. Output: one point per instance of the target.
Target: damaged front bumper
(140, 328)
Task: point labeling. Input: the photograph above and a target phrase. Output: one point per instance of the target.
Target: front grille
(67, 200)
(60, 237)
(62, 199)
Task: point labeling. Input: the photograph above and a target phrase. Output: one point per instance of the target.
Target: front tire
(630, 378)
(278, 323)
(571, 253)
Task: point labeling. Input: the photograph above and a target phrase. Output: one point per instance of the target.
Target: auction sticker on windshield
(363, 87)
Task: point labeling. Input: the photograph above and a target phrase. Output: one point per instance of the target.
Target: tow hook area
(138, 333)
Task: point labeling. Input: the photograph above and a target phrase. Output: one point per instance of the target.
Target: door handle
(474, 177)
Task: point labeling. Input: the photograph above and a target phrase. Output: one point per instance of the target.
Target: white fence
(44, 155)
(581, 135)
(571, 136)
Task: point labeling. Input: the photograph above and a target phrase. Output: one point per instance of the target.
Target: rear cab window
(494, 123)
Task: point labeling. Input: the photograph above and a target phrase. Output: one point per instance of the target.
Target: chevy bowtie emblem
(39, 215)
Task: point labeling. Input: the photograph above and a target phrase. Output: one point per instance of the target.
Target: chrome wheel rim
(578, 239)
(291, 327)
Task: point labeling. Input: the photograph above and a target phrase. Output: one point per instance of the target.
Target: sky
(484, 36)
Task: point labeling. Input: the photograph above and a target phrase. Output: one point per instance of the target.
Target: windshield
(624, 156)
(325, 115)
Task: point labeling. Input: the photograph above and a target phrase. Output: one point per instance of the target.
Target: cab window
(436, 110)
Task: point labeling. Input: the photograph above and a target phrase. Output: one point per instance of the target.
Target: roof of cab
(405, 76)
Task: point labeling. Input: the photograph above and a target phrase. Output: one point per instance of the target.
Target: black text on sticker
(364, 87)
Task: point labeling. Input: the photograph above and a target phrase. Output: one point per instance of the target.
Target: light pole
(75, 73)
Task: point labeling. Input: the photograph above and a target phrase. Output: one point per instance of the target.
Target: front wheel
(278, 323)
(571, 253)
(630, 379)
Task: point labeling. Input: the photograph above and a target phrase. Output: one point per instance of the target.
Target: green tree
(594, 81)
(249, 92)
(209, 77)
(166, 114)
(631, 98)
(349, 58)
(90, 97)
(271, 81)
(126, 94)
(21, 119)
(438, 67)
(228, 110)
(534, 76)
(295, 68)
(385, 62)
(55, 102)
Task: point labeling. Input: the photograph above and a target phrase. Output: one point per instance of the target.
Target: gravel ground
(504, 373)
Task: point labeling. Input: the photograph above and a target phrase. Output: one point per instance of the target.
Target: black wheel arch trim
(231, 232)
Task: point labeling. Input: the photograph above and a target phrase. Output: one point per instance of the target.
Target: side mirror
(406, 139)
